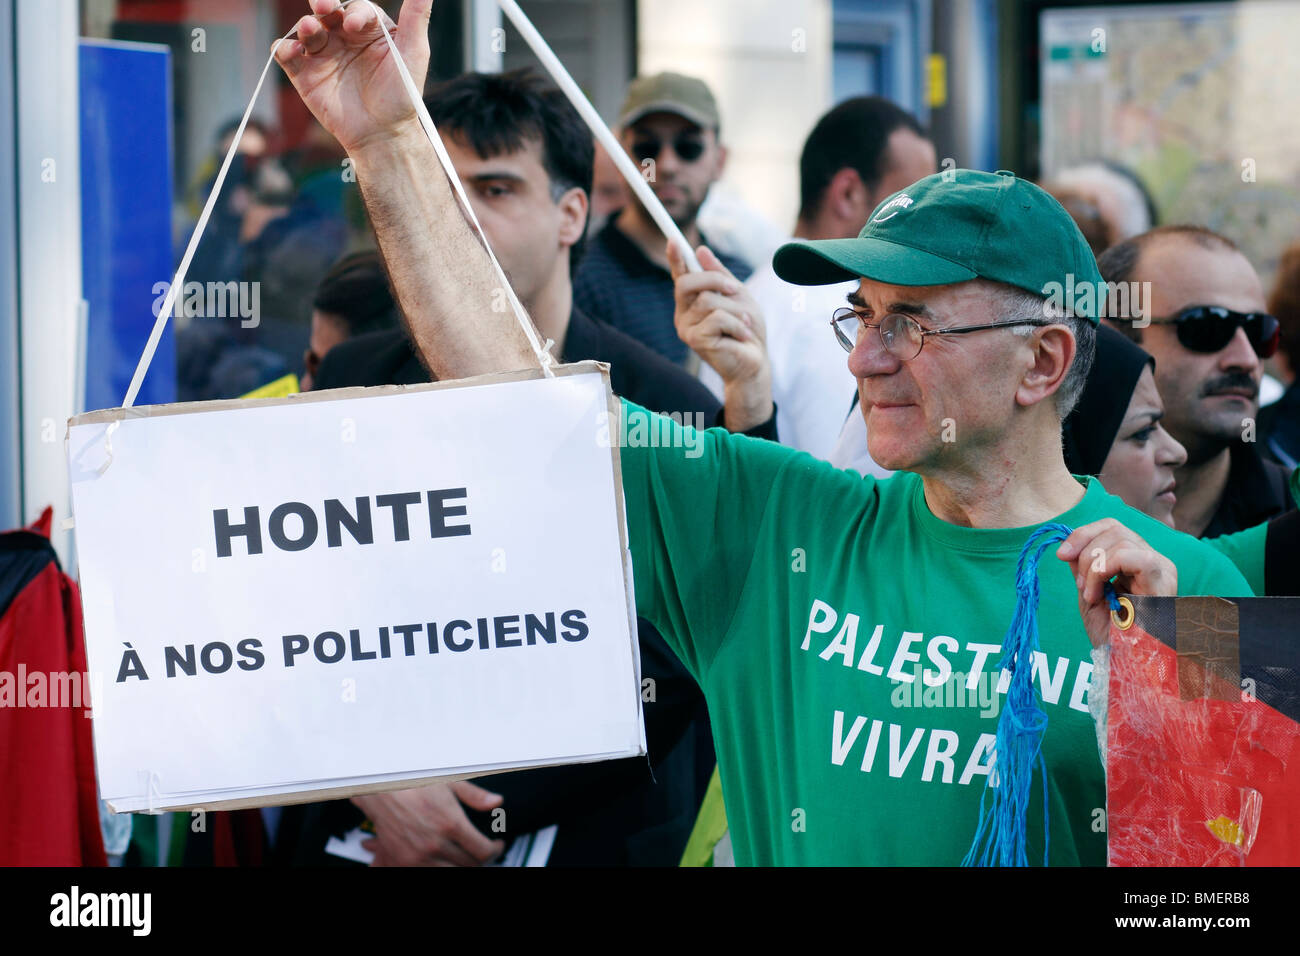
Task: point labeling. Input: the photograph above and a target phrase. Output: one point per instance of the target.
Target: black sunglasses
(688, 147)
(1209, 328)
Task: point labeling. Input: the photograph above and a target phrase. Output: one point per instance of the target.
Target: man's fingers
(412, 36)
(453, 853)
(1089, 546)
(312, 35)
(693, 283)
(1099, 563)
(708, 304)
(732, 326)
(289, 54)
(360, 16)
(415, 15)
(475, 796)
(715, 325)
(1116, 552)
(707, 301)
(464, 834)
(676, 262)
(1140, 571)
(364, 17)
(1079, 539)
(475, 844)
(711, 263)
(329, 13)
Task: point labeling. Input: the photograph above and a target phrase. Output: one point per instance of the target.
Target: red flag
(1203, 734)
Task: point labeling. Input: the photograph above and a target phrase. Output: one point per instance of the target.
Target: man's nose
(869, 356)
(1238, 353)
(667, 162)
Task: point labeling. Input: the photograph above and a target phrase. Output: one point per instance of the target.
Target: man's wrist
(748, 402)
(380, 148)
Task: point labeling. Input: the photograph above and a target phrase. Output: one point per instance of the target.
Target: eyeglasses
(1209, 328)
(900, 334)
(688, 147)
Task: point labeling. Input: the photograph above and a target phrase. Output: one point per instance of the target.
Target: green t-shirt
(1245, 549)
(804, 599)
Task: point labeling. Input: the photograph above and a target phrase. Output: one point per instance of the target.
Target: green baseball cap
(955, 226)
(674, 93)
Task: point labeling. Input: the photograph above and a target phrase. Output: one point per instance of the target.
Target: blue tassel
(1003, 829)
(1000, 839)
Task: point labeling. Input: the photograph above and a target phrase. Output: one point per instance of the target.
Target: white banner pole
(603, 134)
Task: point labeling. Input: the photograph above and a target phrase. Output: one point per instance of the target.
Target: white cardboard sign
(354, 590)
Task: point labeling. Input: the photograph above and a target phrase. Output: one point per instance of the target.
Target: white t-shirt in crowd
(738, 228)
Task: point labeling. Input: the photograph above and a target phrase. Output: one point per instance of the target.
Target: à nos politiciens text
(455, 636)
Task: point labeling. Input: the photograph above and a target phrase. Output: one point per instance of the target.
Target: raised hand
(343, 69)
(720, 320)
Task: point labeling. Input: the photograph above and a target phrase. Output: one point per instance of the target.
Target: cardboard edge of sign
(338, 394)
(378, 391)
(348, 791)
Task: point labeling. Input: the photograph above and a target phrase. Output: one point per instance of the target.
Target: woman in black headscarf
(1114, 432)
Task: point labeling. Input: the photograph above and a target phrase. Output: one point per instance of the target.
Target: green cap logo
(953, 227)
(901, 201)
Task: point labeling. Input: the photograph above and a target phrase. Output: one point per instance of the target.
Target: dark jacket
(616, 284)
(636, 372)
(1256, 491)
(1279, 427)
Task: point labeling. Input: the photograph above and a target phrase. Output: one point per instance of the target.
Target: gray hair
(1012, 304)
(1131, 210)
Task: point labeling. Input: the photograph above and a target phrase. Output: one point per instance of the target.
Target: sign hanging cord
(540, 349)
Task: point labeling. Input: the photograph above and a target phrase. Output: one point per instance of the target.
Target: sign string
(635, 180)
(540, 349)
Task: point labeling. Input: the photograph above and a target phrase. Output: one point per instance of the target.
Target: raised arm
(445, 285)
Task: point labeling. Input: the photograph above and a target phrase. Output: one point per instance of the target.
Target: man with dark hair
(353, 299)
(861, 152)
(495, 114)
(670, 126)
(1206, 324)
(876, 141)
(526, 158)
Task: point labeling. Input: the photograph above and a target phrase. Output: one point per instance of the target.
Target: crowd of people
(892, 395)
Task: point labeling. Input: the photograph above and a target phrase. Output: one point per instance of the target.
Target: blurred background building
(115, 114)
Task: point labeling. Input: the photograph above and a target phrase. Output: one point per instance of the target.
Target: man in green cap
(846, 631)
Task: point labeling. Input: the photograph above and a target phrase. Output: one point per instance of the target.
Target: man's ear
(1052, 353)
(573, 207)
(722, 162)
(849, 198)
